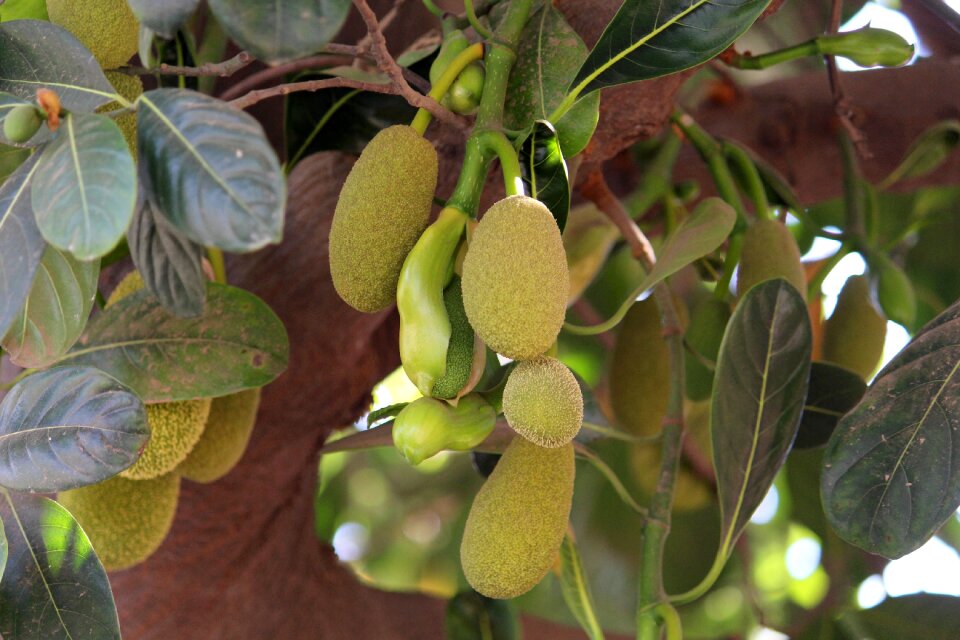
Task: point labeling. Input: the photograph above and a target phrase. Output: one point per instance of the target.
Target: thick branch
(223, 69)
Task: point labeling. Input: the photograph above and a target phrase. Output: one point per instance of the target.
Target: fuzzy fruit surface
(640, 371)
(770, 251)
(107, 27)
(854, 335)
(543, 403)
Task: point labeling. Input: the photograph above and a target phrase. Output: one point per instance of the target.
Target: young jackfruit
(770, 251)
(107, 27)
(21, 123)
(543, 403)
(175, 428)
(383, 208)
(131, 88)
(703, 337)
(854, 335)
(460, 350)
(518, 520)
(515, 278)
(224, 437)
(126, 520)
(640, 371)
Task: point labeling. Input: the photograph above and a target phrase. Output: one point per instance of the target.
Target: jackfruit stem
(471, 54)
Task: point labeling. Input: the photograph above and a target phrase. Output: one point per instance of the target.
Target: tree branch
(841, 103)
(222, 69)
(253, 97)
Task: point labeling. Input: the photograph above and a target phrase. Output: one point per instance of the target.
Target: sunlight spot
(767, 508)
(350, 541)
(803, 558)
(871, 592)
(933, 568)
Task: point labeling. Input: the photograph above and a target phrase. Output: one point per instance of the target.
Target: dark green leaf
(68, 427)
(545, 172)
(927, 152)
(550, 52)
(164, 17)
(10, 159)
(276, 31)
(890, 474)
(85, 187)
(211, 170)
(168, 261)
(238, 343)
(759, 389)
(56, 588)
(650, 39)
(576, 591)
(56, 310)
(923, 616)
(894, 289)
(833, 392)
(471, 616)
(21, 245)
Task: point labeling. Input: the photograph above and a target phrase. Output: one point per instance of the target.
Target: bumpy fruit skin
(640, 371)
(126, 520)
(769, 251)
(707, 324)
(542, 402)
(224, 437)
(515, 278)
(175, 428)
(854, 335)
(107, 27)
(383, 208)
(460, 349)
(518, 519)
(131, 88)
(21, 123)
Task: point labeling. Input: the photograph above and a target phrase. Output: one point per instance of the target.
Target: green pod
(854, 335)
(894, 290)
(465, 93)
(454, 43)
(427, 426)
(424, 326)
(769, 251)
(703, 336)
(868, 47)
(21, 123)
(640, 371)
(460, 352)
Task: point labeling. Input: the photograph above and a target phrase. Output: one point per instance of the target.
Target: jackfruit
(126, 520)
(383, 208)
(769, 251)
(224, 437)
(854, 335)
(640, 371)
(518, 520)
(175, 428)
(704, 335)
(543, 403)
(107, 27)
(131, 88)
(460, 349)
(515, 278)
(21, 123)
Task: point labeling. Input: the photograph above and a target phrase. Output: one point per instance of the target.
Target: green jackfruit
(383, 208)
(107, 27)
(518, 520)
(543, 403)
(854, 335)
(21, 123)
(460, 349)
(515, 278)
(131, 88)
(175, 428)
(769, 251)
(224, 437)
(126, 520)
(704, 335)
(640, 371)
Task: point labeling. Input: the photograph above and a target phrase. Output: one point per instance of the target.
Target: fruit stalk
(471, 54)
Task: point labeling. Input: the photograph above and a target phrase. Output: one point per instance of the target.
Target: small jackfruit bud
(703, 337)
(427, 426)
(21, 123)
(854, 335)
(224, 437)
(107, 27)
(126, 520)
(518, 519)
(515, 278)
(465, 93)
(868, 47)
(770, 251)
(175, 428)
(460, 351)
(383, 208)
(640, 371)
(542, 402)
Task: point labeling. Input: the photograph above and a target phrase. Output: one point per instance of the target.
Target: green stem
(215, 256)
(617, 434)
(751, 177)
(497, 143)
(432, 8)
(611, 476)
(671, 621)
(656, 178)
(471, 54)
(473, 175)
(499, 62)
(20, 376)
(316, 130)
(767, 60)
(481, 30)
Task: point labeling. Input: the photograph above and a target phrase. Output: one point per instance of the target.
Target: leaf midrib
(150, 341)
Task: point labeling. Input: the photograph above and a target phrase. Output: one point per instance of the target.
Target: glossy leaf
(833, 391)
(238, 343)
(471, 616)
(164, 17)
(68, 427)
(890, 477)
(759, 389)
(550, 52)
(576, 591)
(545, 172)
(650, 39)
(922, 616)
(21, 245)
(85, 186)
(928, 151)
(211, 170)
(56, 310)
(168, 261)
(10, 159)
(55, 587)
(277, 31)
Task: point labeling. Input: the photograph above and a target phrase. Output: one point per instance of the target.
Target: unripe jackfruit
(107, 27)
(543, 403)
(460, 349)
(518, 520)
(515, 278)
(770, 251)
(126, 520)
(854, 335)
(21, 123)
(131, 88)
(640, 371)
(383, 208)
(224, 437)
(175, 428)
(704, 335)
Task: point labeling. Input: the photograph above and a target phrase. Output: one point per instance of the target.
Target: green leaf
(922, 616)
(545, 172)
(85, 188)
(21, 245)
(56, 310)
(471, 616)
(3, 550)
(68, 427)
(10, 159)
(650, 39)
(56, 588)
(277, 31)
(211, 170)
(168, 261)
(832, 393)
(758, 393)
(238, 343)
(550, 52)
(576, 591)
(165, 17)
(890, 475)
(928, 151)
(894, 289)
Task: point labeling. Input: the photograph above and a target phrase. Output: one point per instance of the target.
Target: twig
(259, 95)
(223, 69)
(841, 103)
